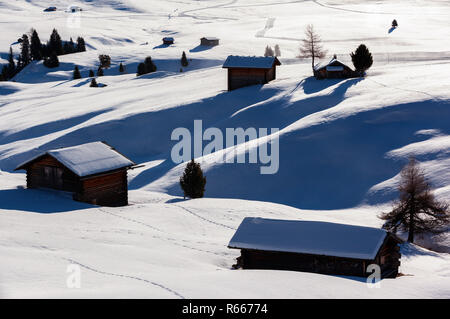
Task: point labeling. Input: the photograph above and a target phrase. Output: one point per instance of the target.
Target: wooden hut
(334, 69)
(168, 40)
(94, 172)
(209, 41)
(318, 247)
(245, 71)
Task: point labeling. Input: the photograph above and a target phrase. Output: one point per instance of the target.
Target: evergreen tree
(25, 57)
(269, 51)
(91, 74)
(193, 182)
(100, 71)
(362, 59)
(69, 47)
(121, 68)
(4, 73)
(277, 50)
(93, 83)
(417, 211)
(394, 23)
(76, 73)
(184, 60)
(149, 65)
(52, 61)
(11, 68)
(81, 46)
(55, 43)
(141, 69)
(35, 46)
(105, 61)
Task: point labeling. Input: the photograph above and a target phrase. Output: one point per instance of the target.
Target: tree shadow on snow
(39, 201)
(391, 29)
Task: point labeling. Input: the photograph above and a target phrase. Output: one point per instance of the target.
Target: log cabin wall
(387, 258)
(241, 77)
(109, 189)
(49, 173)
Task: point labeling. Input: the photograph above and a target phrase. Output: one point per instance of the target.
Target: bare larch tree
(311, 46)
(417, 211)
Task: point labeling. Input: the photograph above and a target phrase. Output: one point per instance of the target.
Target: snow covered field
(342, 143)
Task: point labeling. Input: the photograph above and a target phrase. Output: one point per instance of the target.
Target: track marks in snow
(269, 25)
(153, 283)
(172, 240)
(203, 218)
(130, 220)
(348, 10)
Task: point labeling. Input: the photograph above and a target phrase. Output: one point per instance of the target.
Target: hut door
(53, 177)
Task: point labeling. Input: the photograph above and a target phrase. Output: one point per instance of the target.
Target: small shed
(50, 9)
(209, 41)
(94, 172)
(245, 70)
(168, 40)
(317, 247)
(334, 69)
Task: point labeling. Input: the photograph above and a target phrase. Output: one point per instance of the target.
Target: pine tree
(91, 74)
(4, 73)
(268, 51)
(121, 68)
(52, 61)
(193, 182)
(35, 46)
(394, 23)
(11, 64)
(184, 60)
(93, 83)
(417, 210)
(277, 50)
(362, 59)
(24, 58)
(55, 43)
(311, 45)
(81, 45)
(105, 61)
(69, 47)
(100, 71)
(140, 69)
(76, 73)
(149, 65)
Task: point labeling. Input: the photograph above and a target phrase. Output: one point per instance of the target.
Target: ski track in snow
(156, 284)
(172, 240)
(348, 10)
(203, 218)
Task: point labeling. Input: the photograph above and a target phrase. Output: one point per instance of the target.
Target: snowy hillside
(342, 142)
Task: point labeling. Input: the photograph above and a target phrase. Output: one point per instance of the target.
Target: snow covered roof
(87, 159)
(234, 61)
(210, 38)
(333, 65)
(308, 237)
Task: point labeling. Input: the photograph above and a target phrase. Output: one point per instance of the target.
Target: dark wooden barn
(244, 71)
(317, 247)
(168, 40)
(94, 172)
(334, 69)
(209, 41)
